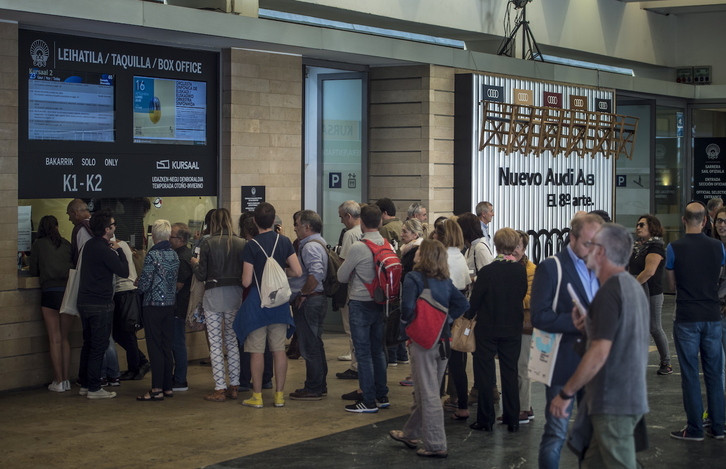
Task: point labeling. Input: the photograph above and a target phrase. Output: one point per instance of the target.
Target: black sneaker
(112, 382)
(360, 407)
(382, 402)
(127, 375)
(684, 435)
(305, 395)
(180, 387)
(143, 369)
(665, 369)
(353, 396)
(347, 374)
(709, 432)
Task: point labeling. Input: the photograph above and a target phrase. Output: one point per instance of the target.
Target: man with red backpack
(360, 272)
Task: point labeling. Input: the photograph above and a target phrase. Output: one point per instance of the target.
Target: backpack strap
(268, 257)
(559, 282)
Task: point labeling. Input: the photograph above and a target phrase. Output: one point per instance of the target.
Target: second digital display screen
(170, 111)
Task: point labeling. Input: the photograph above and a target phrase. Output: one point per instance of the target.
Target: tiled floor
(41, 429)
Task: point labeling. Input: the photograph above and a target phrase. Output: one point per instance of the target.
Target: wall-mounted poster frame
(102, 118)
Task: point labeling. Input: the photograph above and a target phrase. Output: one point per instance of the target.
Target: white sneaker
(55, 386)
(83, 392)
(345, 358)
(66, 385)
(100, 394)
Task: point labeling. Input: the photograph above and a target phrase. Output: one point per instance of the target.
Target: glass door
(342, 138)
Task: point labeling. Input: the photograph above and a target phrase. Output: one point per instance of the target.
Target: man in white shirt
(485, 213)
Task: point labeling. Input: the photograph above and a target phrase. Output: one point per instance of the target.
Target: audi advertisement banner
(528, 192)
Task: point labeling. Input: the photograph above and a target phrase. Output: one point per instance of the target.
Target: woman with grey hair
(158, 284)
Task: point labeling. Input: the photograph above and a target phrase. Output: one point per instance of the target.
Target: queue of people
(261, 287)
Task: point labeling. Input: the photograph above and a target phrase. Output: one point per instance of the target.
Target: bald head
(77, 211)
(694, 217)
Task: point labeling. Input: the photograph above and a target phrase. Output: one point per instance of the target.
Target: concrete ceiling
(680, 7)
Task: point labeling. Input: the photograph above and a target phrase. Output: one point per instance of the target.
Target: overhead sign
(709, 168)
(101, 118)
(604, 105)
(523, 96)
(493, 93)
(552, 99)
(578, 102)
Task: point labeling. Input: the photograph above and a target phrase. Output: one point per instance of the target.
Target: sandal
(398, 436)
(217, 396)
(168, 393)
(456, 416)
(151, 396)
(432, 454)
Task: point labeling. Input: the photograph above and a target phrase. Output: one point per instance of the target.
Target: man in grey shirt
(613, 368)
(309, 305)
(349, 213)
(366, 316)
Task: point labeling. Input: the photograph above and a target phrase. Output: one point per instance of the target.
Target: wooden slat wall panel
(411, 137)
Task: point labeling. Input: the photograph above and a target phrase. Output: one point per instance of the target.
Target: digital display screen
(70, 106)
(170, 111)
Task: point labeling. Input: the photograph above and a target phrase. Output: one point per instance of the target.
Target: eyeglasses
(719, 221)
(640, 225)
(112, 224)
(589, 244)
(175, 237)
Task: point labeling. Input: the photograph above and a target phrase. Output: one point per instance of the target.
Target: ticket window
(133, 216)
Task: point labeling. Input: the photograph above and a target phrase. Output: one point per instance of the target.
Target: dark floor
(370, 445)
(42, 429)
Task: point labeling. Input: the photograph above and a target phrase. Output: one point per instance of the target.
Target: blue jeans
(97, 322)
(690, 338)
(366, 330)
(555, 431)
(397, 353)
(179, 350)
(309, 320)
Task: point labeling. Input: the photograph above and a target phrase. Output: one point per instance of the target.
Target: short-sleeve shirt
(254, 255)
(637, 265)
(696, 262)
(620, 313)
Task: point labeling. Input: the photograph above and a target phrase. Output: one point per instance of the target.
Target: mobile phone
(196, 251)
(576, 300)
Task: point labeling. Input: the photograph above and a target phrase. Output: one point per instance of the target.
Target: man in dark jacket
(558, 320)
(102, 258)
(180, 235)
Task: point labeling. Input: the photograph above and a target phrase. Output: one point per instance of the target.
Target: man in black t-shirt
(693, 266)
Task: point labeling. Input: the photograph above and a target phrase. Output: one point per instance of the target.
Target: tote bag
(69, 305)
(462, 335)
(545, 345)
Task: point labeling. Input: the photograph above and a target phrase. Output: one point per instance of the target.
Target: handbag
(69, 305)
(130, 309)
(195, 313)
(425, 329)
(462, 335)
